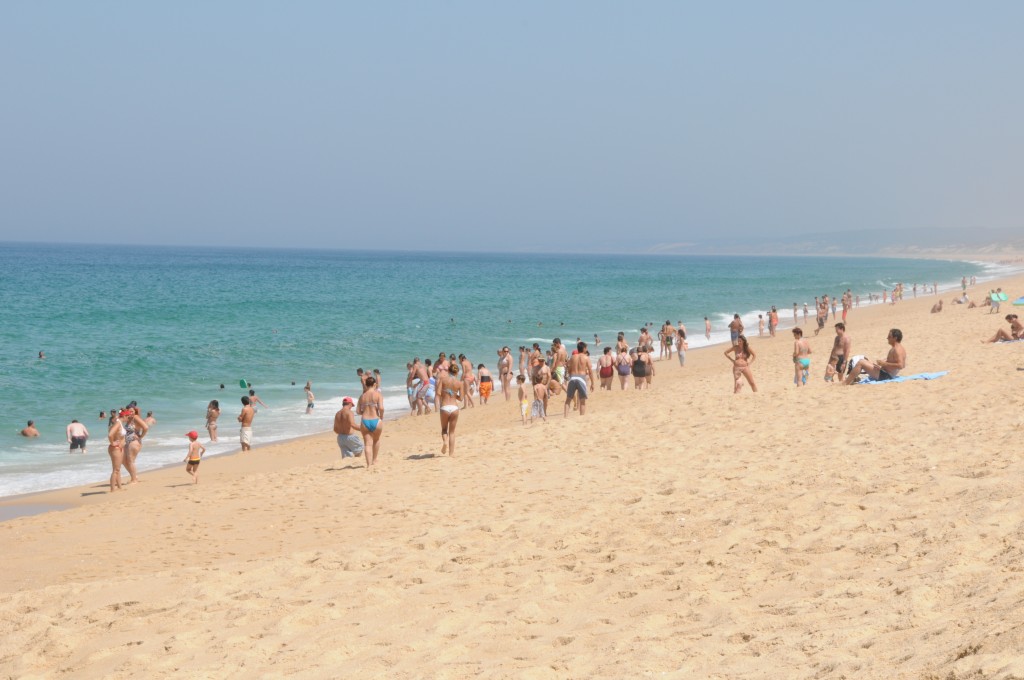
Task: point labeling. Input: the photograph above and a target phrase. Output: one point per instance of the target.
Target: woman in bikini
(449, 394)
(505, 371)
(212, 413)
(115, 449)
(371, 412)
(468, 380)
(1016, 331)
(741, 361)
(606, 369)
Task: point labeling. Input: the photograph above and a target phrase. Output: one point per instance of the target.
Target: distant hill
(982, 241)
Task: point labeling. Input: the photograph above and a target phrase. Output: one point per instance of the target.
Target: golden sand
(820, 532)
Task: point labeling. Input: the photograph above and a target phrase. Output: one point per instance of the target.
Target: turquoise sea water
(167, 326)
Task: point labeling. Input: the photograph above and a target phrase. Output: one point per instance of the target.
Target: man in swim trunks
(581, 375)
(894, 362)
(349, 441)
(558, 360)
(801, 357)
(77, 436)
(841, 347)
(736, 328)
(245, 418)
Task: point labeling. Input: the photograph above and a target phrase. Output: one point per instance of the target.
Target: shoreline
(667, 531)
(63, 498)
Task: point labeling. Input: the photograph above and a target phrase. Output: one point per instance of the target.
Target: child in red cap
(195, 454)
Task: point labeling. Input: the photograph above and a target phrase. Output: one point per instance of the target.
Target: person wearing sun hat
(349, 440)
(194, 455)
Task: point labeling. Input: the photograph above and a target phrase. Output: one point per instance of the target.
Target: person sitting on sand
(894, 362)
(937, 307)
(1016, 332)
(29, 430)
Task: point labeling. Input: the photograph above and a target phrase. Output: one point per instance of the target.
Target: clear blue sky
(505, 126)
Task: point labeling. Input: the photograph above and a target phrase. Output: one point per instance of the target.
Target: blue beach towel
(904, 378)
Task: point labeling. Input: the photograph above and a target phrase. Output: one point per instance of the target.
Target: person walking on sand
(245, 419)
(505, 371)
(801, 357)
(681, 344)
(349, 442)
(212, 413)
(135, 429)
(743, 357)
(580, 374)
(449, 394)
(78, 435)
(371, 411)
(468, 381)
(115, 448)
(194, 455)
(841, 348)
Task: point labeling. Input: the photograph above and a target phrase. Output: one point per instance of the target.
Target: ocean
(166, 326)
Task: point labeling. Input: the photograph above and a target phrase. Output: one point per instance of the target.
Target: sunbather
(895, 362)
(1016, 331)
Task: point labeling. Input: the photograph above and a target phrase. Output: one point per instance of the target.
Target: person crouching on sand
(743, 357)
(194, 455)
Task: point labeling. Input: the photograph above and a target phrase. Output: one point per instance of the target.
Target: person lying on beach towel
(888, 369)
(1016, 331)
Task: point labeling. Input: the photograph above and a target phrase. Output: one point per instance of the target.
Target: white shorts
(245, 435)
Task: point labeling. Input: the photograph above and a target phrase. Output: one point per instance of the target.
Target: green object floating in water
(243, 384)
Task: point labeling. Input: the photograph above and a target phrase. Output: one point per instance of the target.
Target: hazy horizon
(571, 127)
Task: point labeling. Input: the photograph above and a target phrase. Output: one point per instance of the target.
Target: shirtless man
(894, 362)
(420, 383)
(736, 328)
(540, 374)
(707, 329)
(668, 339)
(801, 357)
(558, 360)
(29, 430)
(581, 374)
(310, 397)
(149, 419)
(841, 347)
(245, 418)
(522, 360)
(349, 440)
(78, 435)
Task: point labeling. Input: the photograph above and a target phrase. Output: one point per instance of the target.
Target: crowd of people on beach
(451, 383)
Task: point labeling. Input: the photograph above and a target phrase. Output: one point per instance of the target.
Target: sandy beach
(871, 531)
